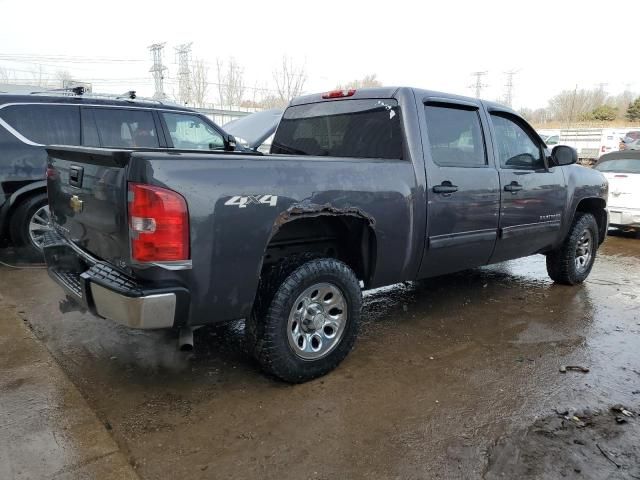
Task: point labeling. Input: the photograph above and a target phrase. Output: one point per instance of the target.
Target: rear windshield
(344, 128)
(623, 165)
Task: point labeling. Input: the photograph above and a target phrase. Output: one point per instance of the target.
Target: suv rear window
(343, 128)
(45, 124)
(622, 165)
(123, 128)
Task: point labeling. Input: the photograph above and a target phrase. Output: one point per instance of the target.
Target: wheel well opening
(596, 207)
(345, 238)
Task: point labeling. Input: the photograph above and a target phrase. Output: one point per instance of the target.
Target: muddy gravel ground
(453, 377)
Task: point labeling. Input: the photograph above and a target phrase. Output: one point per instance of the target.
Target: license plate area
(615, 217)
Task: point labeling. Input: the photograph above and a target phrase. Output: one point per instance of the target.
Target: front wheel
(308, 322)
(571, 263)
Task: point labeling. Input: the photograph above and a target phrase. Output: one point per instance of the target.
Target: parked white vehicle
(622, 170)
(632, 145)
(591, 143)
(550, 136)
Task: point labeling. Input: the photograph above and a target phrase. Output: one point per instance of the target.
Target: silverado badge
(76, 204)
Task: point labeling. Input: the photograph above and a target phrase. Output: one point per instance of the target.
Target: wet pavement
(445, 372)
(47, 430)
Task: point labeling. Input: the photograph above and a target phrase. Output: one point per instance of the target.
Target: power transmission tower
(478, 85)
(157, 70)
(183, 53)
(508, 95)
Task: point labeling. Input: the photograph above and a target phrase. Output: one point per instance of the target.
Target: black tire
(19, 223)
(561, 263)
(267, 329)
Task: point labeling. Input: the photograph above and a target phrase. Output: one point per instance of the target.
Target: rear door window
(45, 124)
(342, 128)
(455, 136)
(123, 128)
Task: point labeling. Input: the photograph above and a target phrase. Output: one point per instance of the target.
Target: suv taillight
(158, 223)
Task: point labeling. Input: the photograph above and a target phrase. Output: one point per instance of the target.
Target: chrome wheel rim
(39, 224)
(317, 321)
(584, 251)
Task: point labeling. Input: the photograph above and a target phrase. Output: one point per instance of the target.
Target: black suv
(29, 122)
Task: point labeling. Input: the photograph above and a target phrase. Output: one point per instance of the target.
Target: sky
(552, 45)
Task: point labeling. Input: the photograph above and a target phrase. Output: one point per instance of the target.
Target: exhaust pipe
(185, 339)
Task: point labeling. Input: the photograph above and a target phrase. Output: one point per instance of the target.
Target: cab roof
(393, 92)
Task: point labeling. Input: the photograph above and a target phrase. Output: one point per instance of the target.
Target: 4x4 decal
(242, 201)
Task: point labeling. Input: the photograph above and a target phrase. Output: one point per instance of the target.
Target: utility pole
(478, 85)
(183, 54)
(157, 70)
(508, 96)
(573, 104)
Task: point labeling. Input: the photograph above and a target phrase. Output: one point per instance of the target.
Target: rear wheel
(572, 262)
(29, 223)
(306, 321)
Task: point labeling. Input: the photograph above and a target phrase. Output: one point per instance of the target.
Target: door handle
(445, 187)
(75, 176)
(513, 187)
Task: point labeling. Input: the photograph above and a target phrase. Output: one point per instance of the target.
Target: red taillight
(51, 172)
(339, 93)
(159, 224)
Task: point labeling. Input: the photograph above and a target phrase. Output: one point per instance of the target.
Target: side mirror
(563, 155)
(229, 143)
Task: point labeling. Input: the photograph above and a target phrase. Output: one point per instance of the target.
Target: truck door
(533, 196)
(463, 188)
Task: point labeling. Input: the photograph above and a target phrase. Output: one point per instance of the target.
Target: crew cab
(362, 188)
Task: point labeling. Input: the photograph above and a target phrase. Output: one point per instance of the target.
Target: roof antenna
(131, 94)
(78, 90)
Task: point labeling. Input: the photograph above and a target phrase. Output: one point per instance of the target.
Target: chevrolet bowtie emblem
(76, 204)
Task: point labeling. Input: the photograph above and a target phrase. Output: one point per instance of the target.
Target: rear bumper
(108, 293)
(624, 217)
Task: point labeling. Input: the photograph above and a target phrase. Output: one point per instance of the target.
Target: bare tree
(230, 82)
(199, 83)
(570, 105)
(63, 78)
(272, 101)
(290, 80)
(4, 75)
(622, 101)
(368, 81)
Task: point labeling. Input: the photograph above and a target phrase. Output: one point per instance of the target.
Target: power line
(67, 58)
(478, 84)
(158, 70)
(183, 52)
(508, 96)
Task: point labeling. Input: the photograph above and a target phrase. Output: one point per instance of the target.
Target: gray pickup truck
(361, 189)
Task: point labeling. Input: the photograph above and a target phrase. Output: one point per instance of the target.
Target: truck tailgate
(87, 190)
